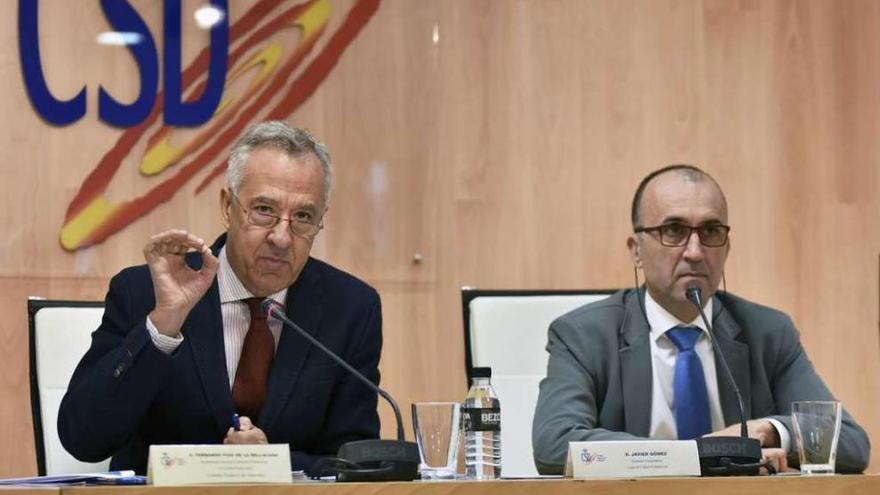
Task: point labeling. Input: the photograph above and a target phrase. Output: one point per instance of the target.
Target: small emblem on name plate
(588, 457)
(169, 461)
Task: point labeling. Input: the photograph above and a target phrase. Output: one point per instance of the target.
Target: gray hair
(277, 135)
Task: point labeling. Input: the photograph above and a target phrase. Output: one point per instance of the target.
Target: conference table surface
(848, 485)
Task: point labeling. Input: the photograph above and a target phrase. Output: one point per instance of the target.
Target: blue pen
(236, 424)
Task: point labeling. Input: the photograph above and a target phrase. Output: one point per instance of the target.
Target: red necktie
(252, 374)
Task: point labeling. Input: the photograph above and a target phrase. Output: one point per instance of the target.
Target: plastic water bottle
(482, 425)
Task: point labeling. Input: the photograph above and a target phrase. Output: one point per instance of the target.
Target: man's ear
(634, 252)
(225, 206)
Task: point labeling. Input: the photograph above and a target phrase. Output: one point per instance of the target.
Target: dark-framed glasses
(677, 234)
(303, 223)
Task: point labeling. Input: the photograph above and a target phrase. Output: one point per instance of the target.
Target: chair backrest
(507, 331)
(60, 334)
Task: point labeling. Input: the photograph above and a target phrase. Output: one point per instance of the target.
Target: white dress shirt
(236, 318)
(663, 356)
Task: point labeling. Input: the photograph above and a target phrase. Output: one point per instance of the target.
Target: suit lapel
(737, 353)
(635, 368)
(304, 305)
(204, 333)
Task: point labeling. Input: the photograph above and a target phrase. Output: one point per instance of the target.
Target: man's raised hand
(177, 287)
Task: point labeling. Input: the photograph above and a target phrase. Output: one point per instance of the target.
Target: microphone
(725, 456)
(375, 459)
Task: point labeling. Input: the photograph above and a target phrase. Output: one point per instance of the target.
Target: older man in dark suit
(183, 344)
(639, 364)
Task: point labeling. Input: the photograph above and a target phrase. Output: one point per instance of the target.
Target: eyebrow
(309, 206)
(262, 199)
(304, 205)
(711, 221)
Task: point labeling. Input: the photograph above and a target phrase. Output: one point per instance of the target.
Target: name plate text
(216, 464)
(632, 459)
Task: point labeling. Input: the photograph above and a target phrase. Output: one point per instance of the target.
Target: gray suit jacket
(598, 384)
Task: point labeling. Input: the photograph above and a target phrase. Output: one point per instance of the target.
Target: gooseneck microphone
(725, 456)
(274, 309)
(388, 460)
(694, 295)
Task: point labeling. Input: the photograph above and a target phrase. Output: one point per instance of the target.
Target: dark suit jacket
(126, 394)
(599, 376)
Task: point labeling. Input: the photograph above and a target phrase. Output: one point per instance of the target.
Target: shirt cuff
(163, 342)
(784, 435)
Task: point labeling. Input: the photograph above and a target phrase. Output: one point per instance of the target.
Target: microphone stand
(726, 456)
(376, 459)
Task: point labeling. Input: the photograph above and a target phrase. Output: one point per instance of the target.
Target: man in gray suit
(617, 368)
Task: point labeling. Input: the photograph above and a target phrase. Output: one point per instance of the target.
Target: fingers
(763, 430)
(760, 429)
(257, 435)
(177, 243)
(782, 464)
(174, 243)
(251, 435)
(245, 423)
(777, 457)
(210, 263)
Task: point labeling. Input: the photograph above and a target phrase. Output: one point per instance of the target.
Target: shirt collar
(231, 288)
(661, 320)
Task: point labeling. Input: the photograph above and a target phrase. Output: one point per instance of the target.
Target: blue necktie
(691, 401)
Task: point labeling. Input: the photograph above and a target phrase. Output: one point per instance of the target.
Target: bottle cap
(483, 372)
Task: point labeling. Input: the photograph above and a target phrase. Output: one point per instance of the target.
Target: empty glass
(816, 431)
(436, 426)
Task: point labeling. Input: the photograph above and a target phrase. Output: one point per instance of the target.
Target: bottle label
(482, 419)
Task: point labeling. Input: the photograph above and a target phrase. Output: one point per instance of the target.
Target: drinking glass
(816, 431)
(437, 426)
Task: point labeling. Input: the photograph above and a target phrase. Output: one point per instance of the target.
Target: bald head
(681, 172)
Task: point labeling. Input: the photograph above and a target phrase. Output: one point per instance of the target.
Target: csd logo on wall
(277, 78)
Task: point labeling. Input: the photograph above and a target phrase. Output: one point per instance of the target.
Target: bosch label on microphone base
(482, 419)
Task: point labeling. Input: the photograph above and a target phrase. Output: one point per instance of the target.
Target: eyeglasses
(678, 234)
(263, 216)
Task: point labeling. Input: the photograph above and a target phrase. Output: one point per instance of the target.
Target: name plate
(632, 459)
(212, 464)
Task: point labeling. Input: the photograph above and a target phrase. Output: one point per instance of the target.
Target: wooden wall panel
(500, 142)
